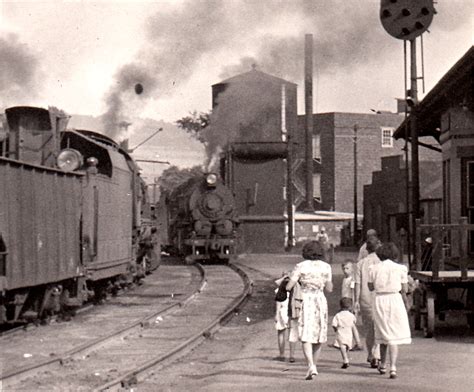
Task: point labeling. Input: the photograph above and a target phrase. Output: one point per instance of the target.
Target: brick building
(333, 155)
(385, 198)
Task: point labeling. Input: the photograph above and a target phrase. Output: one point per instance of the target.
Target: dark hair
(346, 262)
(371, 233)
(372, 244)
(345, 303)
(312, 250)
(388, 250)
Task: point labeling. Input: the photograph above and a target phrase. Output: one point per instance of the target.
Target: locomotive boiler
(202, 221)
(70, 215)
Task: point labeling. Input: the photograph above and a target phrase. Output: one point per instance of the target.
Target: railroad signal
(406, 19)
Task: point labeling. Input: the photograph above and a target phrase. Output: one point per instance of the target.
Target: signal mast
(407, 20)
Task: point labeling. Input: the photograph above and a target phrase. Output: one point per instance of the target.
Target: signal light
(406, 19)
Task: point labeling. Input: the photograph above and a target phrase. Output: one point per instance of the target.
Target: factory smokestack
(308, 95)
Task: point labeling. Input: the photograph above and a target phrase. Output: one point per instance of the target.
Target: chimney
(308, 94)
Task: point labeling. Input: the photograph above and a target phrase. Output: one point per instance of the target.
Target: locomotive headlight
(69, 159)
(211, 179)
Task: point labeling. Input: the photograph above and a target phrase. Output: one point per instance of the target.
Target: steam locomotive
(71, 205)
(202, 223)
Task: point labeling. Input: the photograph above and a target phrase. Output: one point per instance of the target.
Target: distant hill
(172, 144)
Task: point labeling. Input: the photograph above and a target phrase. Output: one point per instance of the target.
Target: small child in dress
(348, 282)
(282, 321)
(347, 336)
(348, 286)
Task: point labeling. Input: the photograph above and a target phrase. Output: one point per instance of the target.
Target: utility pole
(356, 239)
(406, 20)
(415, 175)
(289, 191)
(308, 88)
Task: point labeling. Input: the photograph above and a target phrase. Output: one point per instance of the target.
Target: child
(344, 324)
(348, 283)
(282, 321)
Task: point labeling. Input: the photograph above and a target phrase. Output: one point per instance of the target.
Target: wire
(144, 141)
(422, 64)
(405, 67)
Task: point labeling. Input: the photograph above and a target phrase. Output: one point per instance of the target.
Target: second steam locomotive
(202, 220)
(71, 216)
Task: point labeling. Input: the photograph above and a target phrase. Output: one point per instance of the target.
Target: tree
(194, 124)
(173, 176)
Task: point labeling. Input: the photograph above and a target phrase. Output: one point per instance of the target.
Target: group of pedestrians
(373, 290)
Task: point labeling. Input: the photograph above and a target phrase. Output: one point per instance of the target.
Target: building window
(317, 186)
(387, 139)
(316, 148)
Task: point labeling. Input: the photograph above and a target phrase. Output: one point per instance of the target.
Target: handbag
(281, 294)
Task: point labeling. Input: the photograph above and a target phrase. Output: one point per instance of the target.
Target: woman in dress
(389, 280)
(314, 276)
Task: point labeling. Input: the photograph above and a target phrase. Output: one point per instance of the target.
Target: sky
(86, 57)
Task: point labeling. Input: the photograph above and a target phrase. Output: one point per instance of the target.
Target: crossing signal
(406, 19)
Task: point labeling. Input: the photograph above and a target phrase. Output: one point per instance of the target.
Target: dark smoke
(123, 93)
(19, 71)
(347, 35)
(177, 42)
(238, 115)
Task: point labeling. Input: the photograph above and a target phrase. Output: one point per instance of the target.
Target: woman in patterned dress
(314, 276)
(389, 280)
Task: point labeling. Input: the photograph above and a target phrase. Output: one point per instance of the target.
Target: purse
(282, 294)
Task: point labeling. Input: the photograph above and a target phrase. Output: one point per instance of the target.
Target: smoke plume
(347, 35)
(19, 71)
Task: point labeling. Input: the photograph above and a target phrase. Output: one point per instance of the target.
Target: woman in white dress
(314, 276)
(389, 280)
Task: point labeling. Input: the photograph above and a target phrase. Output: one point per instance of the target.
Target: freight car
(202, 223)
(70, 215)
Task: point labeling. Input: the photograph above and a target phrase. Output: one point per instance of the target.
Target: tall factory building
(255, 113)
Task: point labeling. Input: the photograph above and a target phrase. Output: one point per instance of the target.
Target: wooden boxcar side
(40, 227)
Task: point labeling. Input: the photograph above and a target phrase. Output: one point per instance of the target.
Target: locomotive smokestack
(308, 94)
(123, 130)
(124, 145)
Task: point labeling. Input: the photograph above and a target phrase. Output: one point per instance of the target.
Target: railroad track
(131, 352)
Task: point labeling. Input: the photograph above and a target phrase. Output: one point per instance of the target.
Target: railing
(449, 245)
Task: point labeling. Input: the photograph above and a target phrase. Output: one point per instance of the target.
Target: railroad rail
(125, 356)
(40, 347)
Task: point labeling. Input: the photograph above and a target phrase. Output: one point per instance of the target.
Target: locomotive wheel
(470, 308)
(470, 320)
(417, 298)
(430, 314)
